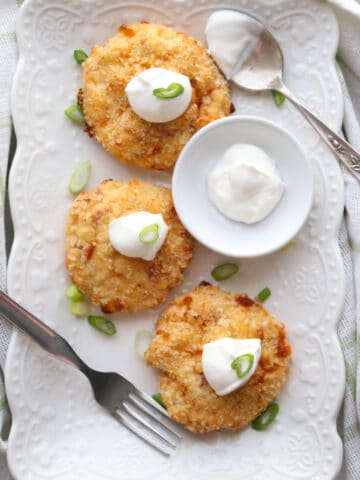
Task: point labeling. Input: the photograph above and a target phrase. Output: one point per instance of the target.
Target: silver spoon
(263, 70)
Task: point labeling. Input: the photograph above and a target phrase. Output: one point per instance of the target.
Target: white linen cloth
(8, 58)
(348, 12)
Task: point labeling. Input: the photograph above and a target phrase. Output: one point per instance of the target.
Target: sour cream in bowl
(243, 186)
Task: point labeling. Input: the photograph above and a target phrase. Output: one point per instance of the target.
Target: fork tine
(122, 418)
(153, 411)
(142, 419)
(151, 402)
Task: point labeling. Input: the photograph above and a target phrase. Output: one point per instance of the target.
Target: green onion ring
(104, 325)
(3, 403)
(278, 98)
(80, 308)
(238, 364)
(287, 246)
(80, 177)
(158, 398)
(263, 295)
(266, 418)
(149, 234)
(172, 91)
(142, 341)
(75, 114)
(224, 271)
(73, 293)
(80, 56)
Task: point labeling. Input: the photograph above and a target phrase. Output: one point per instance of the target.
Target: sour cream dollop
(124, 234)
(152, 108)
(231, 38)
(245, 184)
(217, 358)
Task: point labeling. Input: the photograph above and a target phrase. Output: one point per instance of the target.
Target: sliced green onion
(75, 114)
(158, 398)
(81, 308)
(224, 271)
(3, 403)
(266, 418)
(73, 293)
(287, 246)
(142, 342)
(172, 91)
(102, 324)
(80, 177)
(243, 364)
(278, 97)
(80, 56)
(263, 295)
(149, 234)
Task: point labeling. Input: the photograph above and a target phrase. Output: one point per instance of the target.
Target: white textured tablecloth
(8, 57)
(348, 12)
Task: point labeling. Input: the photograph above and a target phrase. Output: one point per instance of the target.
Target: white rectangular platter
(58, 431)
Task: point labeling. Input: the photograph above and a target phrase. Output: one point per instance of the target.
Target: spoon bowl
(262, 69)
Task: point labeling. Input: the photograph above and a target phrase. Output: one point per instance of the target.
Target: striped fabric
(8, 53)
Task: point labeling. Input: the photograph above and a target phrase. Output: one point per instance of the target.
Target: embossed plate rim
(19, 344)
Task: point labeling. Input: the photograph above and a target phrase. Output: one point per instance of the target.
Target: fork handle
(340, 147)
(43, 335)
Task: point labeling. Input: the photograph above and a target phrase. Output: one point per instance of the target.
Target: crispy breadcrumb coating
(107, 111)
(109, 279)
(201, 316)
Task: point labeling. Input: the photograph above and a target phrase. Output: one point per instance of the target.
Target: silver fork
(129, 405)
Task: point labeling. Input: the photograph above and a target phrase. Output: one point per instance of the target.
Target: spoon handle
(340, 147)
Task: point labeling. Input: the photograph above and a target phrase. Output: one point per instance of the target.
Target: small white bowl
(210, 227)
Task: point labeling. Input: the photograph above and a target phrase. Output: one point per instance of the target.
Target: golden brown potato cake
(201, 316)
(109, 279)
(107, 111)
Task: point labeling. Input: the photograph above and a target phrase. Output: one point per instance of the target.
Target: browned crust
(201, 316)
(109, 279)
(133, 49)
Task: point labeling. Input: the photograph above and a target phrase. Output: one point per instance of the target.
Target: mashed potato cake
(202, 316)
(108, 278)
(107, 111)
